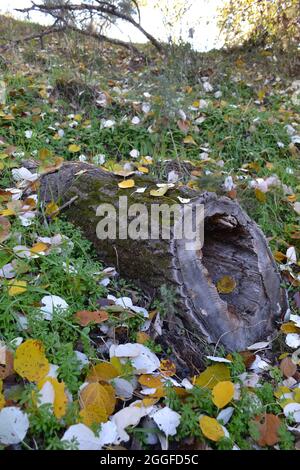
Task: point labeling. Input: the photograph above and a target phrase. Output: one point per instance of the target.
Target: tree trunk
(233, 246)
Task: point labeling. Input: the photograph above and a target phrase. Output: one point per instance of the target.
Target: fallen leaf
(14, 425)
(150, 381)
(4, 229)
(17, 287)
(260, 196)
(268, 426)
(189, 140)
(167, 420)
(167, 367)
(30, 361)
(287, 367)
(104, 371)
(73, 148)
(222, 393)
(159, 192)
(213, 375)
(211, 428)
(126, 184)
(85, 317)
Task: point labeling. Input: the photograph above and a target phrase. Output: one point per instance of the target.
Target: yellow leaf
(60, 397)
(51, 209)
(260, 195)
(6, 212)
(102, 371)
(213, 375)
(39, 247)
(222, 393)
(126, 184)
(150, 381)
(142, 337)
(78, 117)
(30, 361)
(159, 192)
(44, 153)
(281, 390)
(17, 287)
(97, 394)
(115, 361)
(73, 148)
(211, 428)
(289, 327)
(143, 169)
(93, 414)
(189, 140)
(226, 285)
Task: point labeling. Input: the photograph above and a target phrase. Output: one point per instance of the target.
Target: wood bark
(233, 245)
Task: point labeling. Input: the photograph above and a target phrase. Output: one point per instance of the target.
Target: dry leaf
(85, 317)
(226, 285)
(211, 428)
(287, 367)
(159, 192)
(73, 148)
(30, 361)
(268, 426)
(4, 229)
(213, 375)
(167, 367)
(222, 393)
(150, 381)
(189, 140)
(126, 184)
(260, 195)
(104, 371)
(17, 287)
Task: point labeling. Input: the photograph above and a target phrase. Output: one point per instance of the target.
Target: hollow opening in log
(228, 251)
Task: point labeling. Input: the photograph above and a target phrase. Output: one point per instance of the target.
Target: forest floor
(81, 365)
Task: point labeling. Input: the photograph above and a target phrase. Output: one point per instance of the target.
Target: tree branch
(103, 8)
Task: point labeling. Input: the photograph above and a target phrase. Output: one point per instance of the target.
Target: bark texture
(233, 245)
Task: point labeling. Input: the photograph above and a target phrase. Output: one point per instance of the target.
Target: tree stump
(233, 246)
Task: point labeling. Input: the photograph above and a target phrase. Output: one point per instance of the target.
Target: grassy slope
(242, 128)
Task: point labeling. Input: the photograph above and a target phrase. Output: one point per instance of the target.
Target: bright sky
(201, 17)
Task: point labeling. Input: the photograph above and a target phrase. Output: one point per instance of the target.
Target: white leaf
(134, 153)
(167, 420)
(84, 436)
(123, 388)
(293, 340)
(293, 410)
(22, 173)
(135, 120)
(295, 319)
(140, 190)
(8, 271)
(291, 255)
(146, 362)
(125, 302)
(183, 200)
(225, 414)
(14, 425)
(108, 433)
(128, 350)
(46, 394)
(129, 416)
(218, 359)
(50, 304)
(260, 345)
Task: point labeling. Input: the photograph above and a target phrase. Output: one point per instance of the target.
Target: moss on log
(233, 245)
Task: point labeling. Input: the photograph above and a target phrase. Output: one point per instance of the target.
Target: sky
(201, 17)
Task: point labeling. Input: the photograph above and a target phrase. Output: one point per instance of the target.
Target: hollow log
(233, 246)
